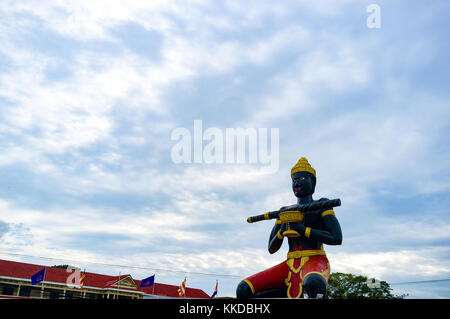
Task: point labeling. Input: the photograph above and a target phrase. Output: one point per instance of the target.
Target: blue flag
(148, 282)
(38, 277)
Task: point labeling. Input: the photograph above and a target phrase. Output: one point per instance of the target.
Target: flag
(82, 279)
(38, 277)
(215, 291)
(182, 289)
(148, 282)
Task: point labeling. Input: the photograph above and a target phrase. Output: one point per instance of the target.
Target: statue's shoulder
(288, 208)
(326, 211)
(323, 199)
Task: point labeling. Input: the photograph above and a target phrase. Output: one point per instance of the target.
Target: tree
(349, 286)
(60, 266)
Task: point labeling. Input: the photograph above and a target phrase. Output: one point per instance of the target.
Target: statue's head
(303, 178)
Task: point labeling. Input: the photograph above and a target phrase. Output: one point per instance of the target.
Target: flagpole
(42, 284)
(215, 289)
(118, 287)
(154, 283)
(82, 277)
(214, 294)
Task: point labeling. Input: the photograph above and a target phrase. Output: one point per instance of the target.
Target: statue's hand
(283, 228)
(298, 227)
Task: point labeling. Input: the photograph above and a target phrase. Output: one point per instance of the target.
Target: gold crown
(303, 166)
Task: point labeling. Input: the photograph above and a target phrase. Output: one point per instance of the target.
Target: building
(15, 282)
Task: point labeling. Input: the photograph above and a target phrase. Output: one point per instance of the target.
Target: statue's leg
(315, 274)
(315, 285)
(272, 293)
(244, 290)
(268, 283)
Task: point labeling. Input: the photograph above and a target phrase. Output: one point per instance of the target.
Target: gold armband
(327, 212)
(307, 232)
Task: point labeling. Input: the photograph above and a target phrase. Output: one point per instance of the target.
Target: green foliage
(349, 286)
(61, 266)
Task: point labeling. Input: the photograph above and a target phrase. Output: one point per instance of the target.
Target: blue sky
(90, 93)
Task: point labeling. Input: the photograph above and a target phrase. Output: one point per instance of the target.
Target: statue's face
(302, 184)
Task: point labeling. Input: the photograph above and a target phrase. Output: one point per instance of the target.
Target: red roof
(58, 275)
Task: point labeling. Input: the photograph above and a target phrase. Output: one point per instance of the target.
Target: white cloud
(118, 103)
(298, 90)
(403, 265)
(55, 229)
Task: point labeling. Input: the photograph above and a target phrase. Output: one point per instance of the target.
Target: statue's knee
(314, 285)
(243, 290)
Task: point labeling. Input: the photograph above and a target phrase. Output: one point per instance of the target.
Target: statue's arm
(331, 234)
(274, 241)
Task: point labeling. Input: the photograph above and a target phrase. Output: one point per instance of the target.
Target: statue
(307, 225)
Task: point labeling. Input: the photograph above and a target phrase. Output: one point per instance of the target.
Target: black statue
(308, 225)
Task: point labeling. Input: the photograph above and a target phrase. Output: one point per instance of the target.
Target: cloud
(4, 228)
(91, 91)
(404, 265)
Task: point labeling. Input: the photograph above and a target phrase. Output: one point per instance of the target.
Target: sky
(92, 94)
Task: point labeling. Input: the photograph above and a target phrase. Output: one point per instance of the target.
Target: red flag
(182, 289)
(82, 279)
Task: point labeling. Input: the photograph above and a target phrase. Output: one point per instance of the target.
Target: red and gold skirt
(291, 273)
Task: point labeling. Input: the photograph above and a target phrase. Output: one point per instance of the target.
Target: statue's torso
(311, 219)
